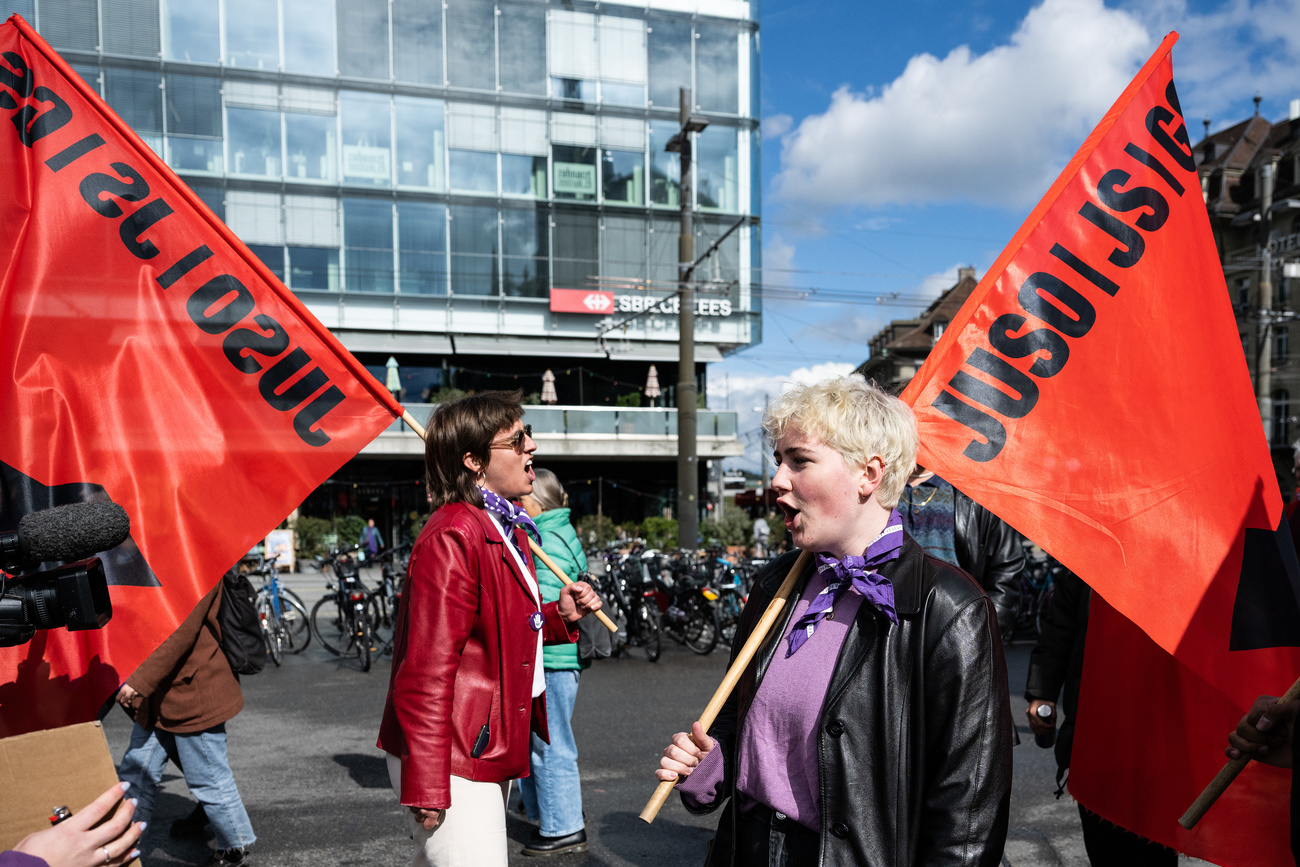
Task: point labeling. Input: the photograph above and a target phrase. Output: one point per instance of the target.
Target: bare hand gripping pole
(1224, 778)
(737, 668)
(537, 551)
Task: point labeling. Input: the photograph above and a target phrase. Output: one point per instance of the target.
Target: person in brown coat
(180, 698)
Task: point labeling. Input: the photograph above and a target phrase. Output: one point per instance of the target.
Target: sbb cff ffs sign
(581, 301)
(596, 302)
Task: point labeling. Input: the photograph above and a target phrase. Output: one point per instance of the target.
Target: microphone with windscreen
(74, 595)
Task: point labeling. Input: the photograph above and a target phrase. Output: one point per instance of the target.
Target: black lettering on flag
(1035, 295)
(94, 186)
(1267, 608)
(1151, 162)
(1171, 96)
(184, 265)
(272, 387)
(1178, 146)
(995, 435)
(1098, 279)
(995, 399)
(140, 222)
(1130, 200)
(1025, 345)
(1134, 246)
(216, 291)
(20, 80)
(33, 124)
(312, 413)
(6, 101)
(246, 340)
(74, 152)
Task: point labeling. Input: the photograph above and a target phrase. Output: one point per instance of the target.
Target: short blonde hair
(858, 420)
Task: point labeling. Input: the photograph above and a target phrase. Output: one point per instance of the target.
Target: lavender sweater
(777, 753)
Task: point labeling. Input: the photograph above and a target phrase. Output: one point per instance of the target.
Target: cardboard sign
(69, 766)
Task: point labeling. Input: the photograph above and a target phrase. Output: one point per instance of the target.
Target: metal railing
(613, 421)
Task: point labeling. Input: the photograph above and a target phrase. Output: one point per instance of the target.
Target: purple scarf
(855, 572)
(511, 516)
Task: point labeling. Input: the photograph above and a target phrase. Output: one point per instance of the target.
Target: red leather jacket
(463, 659)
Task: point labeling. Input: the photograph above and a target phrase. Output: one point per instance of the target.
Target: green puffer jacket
(560, 542)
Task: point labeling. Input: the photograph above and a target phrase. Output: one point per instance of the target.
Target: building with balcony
(477, 189)
(899, 349)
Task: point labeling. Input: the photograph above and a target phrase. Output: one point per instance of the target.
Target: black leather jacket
(990, 550)
(914, 737)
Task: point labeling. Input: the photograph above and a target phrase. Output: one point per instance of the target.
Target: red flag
(149, 359)
(1093, 393)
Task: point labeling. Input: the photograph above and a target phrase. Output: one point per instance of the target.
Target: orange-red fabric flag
(1093, 393)
(147, 358)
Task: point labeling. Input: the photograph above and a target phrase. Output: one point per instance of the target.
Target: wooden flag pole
(537, 551)
(732, 677)
(1226, 775)
(564, 579)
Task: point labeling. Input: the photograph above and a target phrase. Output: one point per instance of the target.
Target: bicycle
(384, 599)
(689, 617)
(633, 591)
(283, 616)
(347, 629)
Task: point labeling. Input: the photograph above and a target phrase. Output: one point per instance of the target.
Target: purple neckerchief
(512, 515)
(858, 573)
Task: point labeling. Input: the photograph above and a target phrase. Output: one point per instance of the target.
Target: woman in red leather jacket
(467, 681)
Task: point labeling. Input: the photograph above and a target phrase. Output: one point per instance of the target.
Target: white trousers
(473, 830)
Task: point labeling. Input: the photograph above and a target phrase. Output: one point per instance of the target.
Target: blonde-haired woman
(873, 725)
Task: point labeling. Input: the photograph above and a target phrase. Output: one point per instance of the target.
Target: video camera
(74, 595)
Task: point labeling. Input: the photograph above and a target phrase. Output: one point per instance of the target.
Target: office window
(422, 248)
(622, 61)
(25, 8)
(668, 44)
(575, 172)
(417, 41)
(130, 27)
(472, 171)
(665, 167)
(661, 263)
(136, 96)
(254, 142)
(272, 257)
(524, 148)
(716, 154)
(1281, 344)
(623, 253)
(723, 267)
(623, 176)
(421, 142)
(522, 34)
(311, 142)
(576, 259)
(717, 68)
(211, 195)
(194, 122)
(474, 248)
(471, 44)
(572, 57)
(363, 38)
(309, 38)
(255, 217)
(523, 175)
(71, 24)
(252, 34)
(313, 268)
(367, 245)
(524, 252)
(88, 74)
(191, 31)
(367, 152)
(311, 221)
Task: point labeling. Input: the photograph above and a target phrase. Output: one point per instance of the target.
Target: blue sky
(904, 140)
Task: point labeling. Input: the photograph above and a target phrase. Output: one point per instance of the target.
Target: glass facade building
(424, 175)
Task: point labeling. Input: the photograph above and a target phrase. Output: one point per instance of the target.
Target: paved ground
(318, 794)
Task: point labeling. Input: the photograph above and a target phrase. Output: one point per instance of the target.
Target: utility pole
(1264, 357)
(688, 480)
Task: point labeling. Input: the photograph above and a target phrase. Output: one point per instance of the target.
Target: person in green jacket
(552, 795)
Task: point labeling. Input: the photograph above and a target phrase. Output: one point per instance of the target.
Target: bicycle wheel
(294, 624)
(270, 630)
(729, 607)
(700, 632)
(647, 628)
(383, 622)
(333, 627)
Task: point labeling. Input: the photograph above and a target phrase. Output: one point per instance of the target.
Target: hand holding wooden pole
(564, 579)
(1226, 775)
(732, 677)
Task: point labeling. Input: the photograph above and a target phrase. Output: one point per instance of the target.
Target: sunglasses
(516, 442)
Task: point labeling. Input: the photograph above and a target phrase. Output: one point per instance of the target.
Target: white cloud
(993, 127)
(777, 125)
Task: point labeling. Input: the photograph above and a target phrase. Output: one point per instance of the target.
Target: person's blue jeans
(553, 794)
(201, 757)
